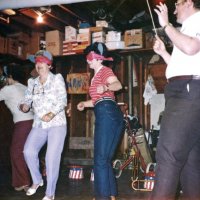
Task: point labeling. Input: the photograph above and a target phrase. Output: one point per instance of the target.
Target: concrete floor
(70, 189)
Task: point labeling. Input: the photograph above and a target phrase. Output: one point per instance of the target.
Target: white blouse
(49, 97)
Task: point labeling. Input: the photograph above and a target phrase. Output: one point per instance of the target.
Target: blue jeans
(108, 132)
(55, 137)
(178, 149)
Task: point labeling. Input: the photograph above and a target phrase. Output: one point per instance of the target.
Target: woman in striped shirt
(109, 120)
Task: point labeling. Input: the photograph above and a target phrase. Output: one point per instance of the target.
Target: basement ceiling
(120, 14)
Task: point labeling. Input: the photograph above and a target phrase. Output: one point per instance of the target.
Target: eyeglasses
(38, 91)
(177, 3)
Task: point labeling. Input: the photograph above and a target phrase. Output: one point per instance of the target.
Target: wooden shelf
(8, 58)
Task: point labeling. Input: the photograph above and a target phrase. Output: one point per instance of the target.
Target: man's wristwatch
(168, 24)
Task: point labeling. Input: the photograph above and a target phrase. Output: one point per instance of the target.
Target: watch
(164, 27)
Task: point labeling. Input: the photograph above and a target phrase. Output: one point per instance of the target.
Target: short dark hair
(98, 47)
(16, 73)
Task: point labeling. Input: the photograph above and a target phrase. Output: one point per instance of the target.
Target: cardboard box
(101, 23)
(97, 29)
(113, 36)
(74, 47)
(133, 38)
(81, 46)
(84, 30)
(54, 42)
(98, 36)
(70, 34)
(69, 47)
(83, 37)
(115, 45)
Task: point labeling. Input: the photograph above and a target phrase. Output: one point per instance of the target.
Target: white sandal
(24, 187)
(48, 198)
(32, 191)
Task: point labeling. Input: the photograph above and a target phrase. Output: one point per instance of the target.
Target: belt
(104, 99)
(185, 77)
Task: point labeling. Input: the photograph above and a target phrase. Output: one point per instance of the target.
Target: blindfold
(93, 55)
(43, 59)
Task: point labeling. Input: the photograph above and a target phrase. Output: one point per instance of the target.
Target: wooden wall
(81, 124)
(6, 129)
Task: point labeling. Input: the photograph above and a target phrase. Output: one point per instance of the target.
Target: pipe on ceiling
(14, 4)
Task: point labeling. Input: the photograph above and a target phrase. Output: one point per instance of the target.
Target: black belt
(186, 77)
(103, 99)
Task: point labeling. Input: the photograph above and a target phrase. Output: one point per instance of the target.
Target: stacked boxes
(113, 40)
(70, 43)
(101, 23)
(98, 34)
(75, 43)
(133, 38)
(98, 37)
(69, 47)
(70, 34)
(83, 40)
(54, 42)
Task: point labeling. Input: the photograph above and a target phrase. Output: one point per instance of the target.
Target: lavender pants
(55, 137)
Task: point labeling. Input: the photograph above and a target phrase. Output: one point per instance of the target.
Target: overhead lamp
(42, 11)
(40, 18)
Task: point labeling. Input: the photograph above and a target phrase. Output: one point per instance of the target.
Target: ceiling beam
(30, 21)
(14, 4)
(61, 15)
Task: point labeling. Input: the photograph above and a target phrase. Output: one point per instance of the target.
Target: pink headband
(43, 59)
(93, 55)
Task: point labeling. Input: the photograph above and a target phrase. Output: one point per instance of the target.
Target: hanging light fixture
(9, 12)
(41, 12)
(40, 18)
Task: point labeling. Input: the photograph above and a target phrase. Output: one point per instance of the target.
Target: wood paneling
(6, 129)
(158, 73)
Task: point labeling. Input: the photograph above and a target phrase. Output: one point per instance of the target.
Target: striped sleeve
(106, 73)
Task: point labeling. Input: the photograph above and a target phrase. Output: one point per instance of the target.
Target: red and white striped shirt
(100, 78)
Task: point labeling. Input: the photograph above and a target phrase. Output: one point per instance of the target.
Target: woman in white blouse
(46, 95)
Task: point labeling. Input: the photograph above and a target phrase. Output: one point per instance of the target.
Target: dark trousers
(108, 131)
(178, 149)
(20, 173)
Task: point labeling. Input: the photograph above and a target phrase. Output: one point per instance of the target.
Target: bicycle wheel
(117, 168)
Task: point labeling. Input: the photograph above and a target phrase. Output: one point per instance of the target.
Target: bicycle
(134, 156)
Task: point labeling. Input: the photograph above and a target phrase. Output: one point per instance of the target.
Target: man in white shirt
(178, 147)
